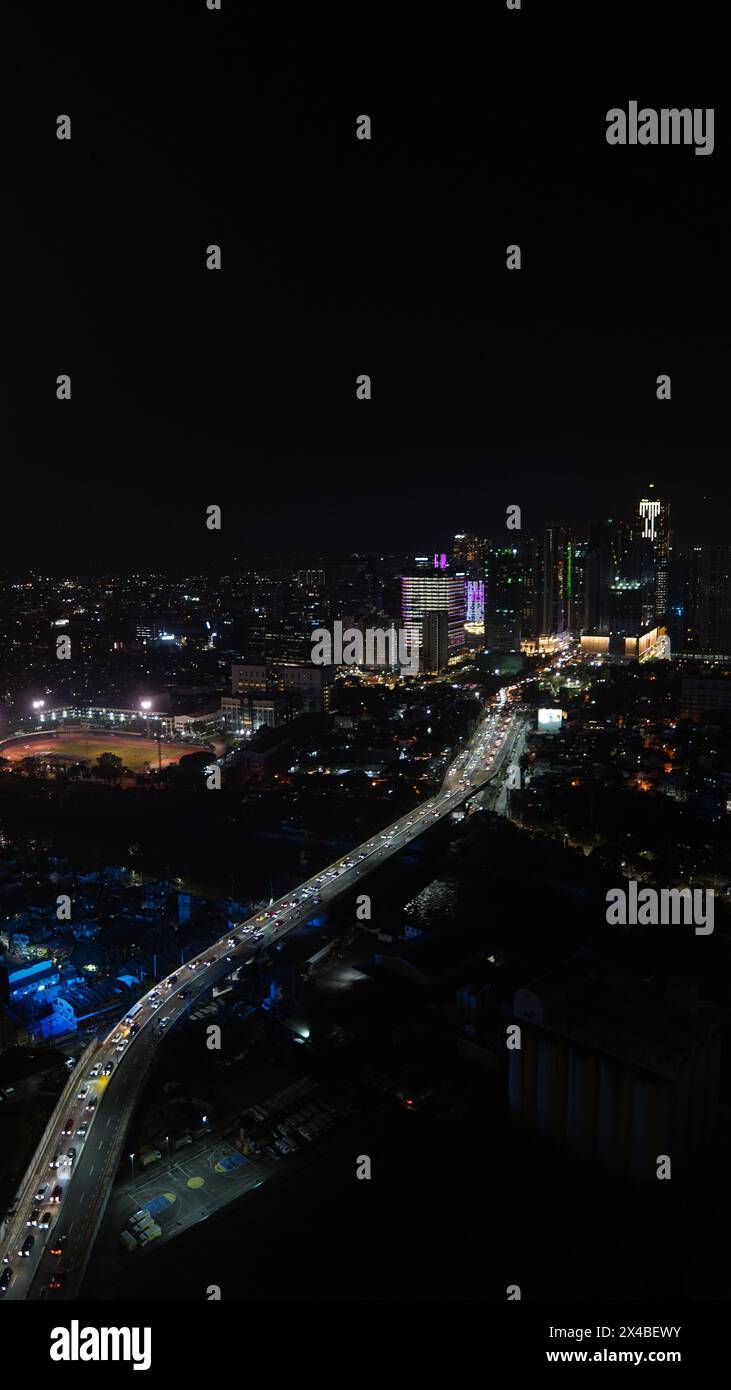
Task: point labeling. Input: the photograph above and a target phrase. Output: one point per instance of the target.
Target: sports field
(136, 753)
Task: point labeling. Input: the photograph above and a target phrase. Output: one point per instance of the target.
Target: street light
(132, 1161)
(146, 706)
(38, 704)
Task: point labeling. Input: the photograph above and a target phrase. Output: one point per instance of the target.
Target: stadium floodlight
(38, 704)
(145, 704)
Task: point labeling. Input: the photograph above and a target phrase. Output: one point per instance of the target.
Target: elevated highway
(72, 1173)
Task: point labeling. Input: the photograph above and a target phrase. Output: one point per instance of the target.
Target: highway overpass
(92, 1118)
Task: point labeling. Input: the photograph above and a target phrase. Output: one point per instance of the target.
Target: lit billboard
(549, 720)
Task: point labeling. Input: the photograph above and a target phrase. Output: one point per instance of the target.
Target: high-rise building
(679, 572)
(652, 525)
(434, 655)
(438, 592)
(476, 602)
(531, 585)
(600, 571)
(557, 581)
(620, 580)
(577, 585)
(468, 554)
(709, 600)
(503, 597)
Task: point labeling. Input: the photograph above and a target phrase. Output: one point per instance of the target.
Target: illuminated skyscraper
(468, 554)
(577, 588)
(531, 623)
(652, 525)
(476, 602)
(557, 580)
(438, 592)
(503, 597)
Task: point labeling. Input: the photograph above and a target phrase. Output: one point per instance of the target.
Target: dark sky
(340, 257)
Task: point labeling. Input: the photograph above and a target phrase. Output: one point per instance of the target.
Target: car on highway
(109, 1068)
(71, 1156)
(32, 1217)
(40, 1194)
(57, 1280)
(92, 1104)
(81, 1131)
(27, 1247)
(57, 1247)
(45, 1221)
(83, 1093)
(164, 1023)
(6, 1279)
(69, 1125)
(57, 1193)
(54, 1161)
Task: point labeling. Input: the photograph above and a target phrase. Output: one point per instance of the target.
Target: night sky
(340, 257)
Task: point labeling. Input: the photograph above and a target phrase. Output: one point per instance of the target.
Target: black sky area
(341, 257)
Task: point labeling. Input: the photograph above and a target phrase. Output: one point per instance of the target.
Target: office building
(468, 554)
(503, 597)
(531, 586)
(437, 592)
(652, 525)
(557, 581)
(709, 601)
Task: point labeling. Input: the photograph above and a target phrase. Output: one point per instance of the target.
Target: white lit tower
(652, 527)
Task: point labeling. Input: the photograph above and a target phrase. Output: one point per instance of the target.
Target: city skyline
(365, 675)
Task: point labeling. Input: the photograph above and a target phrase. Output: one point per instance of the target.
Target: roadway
(108, 1082)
